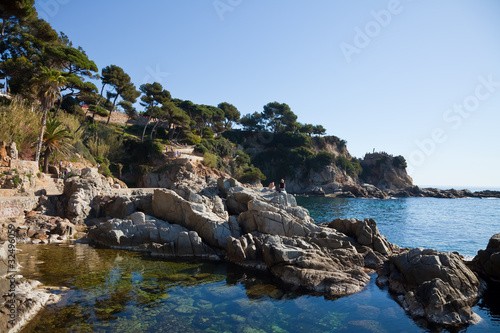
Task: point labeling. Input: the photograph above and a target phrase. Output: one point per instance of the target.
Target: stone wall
(16, 206)
(27, 166)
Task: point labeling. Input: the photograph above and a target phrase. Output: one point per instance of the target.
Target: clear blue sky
(415, 78)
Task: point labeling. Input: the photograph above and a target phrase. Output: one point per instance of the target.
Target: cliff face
(326, 180)
(343, 176)
(385, 171)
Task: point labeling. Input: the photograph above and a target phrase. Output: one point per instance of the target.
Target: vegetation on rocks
(69, 89)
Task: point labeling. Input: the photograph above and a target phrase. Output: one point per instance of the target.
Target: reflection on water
(121, 291)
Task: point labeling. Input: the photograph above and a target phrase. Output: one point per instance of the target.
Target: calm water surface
(121, 291)
(463, 225)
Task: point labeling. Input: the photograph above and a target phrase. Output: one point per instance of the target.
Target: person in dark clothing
(281, 186)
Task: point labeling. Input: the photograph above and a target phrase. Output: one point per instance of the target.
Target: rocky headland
(202, 213)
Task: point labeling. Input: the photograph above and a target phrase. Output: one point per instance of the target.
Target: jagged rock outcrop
(282, 238)
(415, 191)
(268, 219)
(194, 215)
(487, 262)
(385, 171)
(44, 229)
(434, 285)
(196, 176)
(146, 233)
(267, 230)
(368, 240)
(335, 271)
(123, 204)
(80, 191)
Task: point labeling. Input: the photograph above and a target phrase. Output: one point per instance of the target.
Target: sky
(417, 78)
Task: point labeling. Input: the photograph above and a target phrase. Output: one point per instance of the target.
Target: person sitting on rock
(271, 186)
(281, 186)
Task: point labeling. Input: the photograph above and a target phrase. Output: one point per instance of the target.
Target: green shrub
(17, 180)
(99, 110)
(104, 170)
(321, 160)
(210, 160)
(221, 146)
(192, 139)
(399, 162)
(103, 166)
(81, 149)
(299, 157)
(252, 175)
(352, 167)
(291, 140)
(242, 158)
(207, 133)
(199, 148)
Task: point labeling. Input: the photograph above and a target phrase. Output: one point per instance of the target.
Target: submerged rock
(22, 299)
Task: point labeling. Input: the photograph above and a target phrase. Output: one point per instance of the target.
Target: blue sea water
(121, 291)
(462, 225)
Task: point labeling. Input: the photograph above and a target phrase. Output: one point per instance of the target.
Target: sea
(106, 290)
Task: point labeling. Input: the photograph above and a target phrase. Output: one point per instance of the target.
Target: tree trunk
(60, 103)
(154, 127)
(46, 160)
(40, 137)
(144, 131)
(171, 131)
(111, 111)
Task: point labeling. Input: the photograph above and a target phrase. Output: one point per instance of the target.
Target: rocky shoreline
(370, 191)
(208, 215)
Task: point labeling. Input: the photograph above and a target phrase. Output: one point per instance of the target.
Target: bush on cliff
(210, 160)
(320, 160)
(103, 166)
(251, 175)
(351, 167)
(399, 162)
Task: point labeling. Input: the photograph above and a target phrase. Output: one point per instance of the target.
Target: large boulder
(299, 263)
(487, 262)
(123, 204)
(80, 191)
(365, 232)
(434, 285)
(266, 218)
(146, 233)
(214, 230)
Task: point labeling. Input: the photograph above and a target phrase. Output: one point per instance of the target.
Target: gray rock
(169, 206)
(336, 272)
(366, 233)
(487, 262)
(145, 233)
(434, 285)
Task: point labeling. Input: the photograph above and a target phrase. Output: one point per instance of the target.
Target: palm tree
(55, 138)
(48, 86)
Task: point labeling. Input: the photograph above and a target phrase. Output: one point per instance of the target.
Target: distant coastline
(470, 188)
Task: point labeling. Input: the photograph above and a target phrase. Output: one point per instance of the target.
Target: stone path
(187, 152)
(51, 184)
